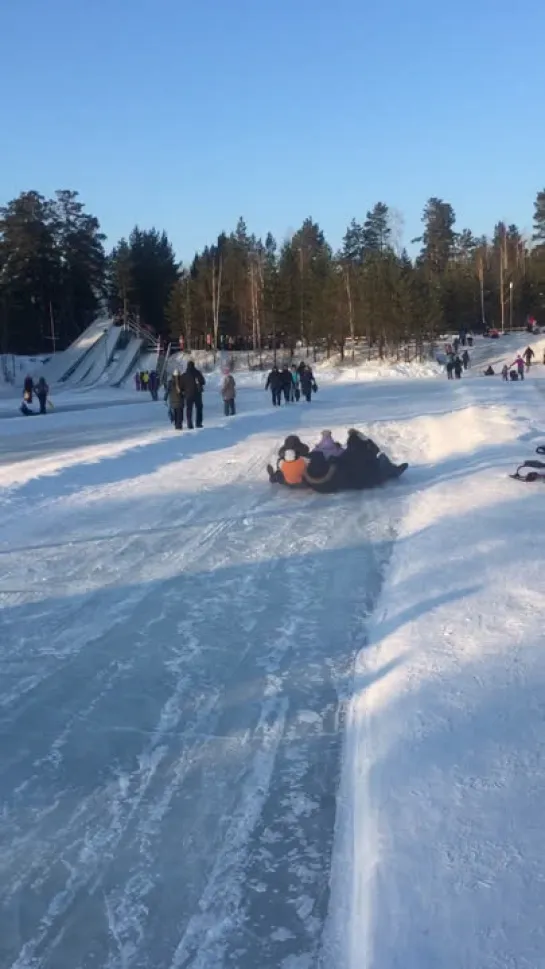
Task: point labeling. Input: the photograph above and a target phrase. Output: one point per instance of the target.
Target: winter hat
(290, 455)
(326, 433)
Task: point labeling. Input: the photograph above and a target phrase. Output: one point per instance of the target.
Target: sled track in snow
(173, 794)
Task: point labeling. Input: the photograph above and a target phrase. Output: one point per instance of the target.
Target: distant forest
(56, 277)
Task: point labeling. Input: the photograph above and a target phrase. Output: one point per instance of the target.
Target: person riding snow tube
(322, 475)
(290, 471)
(294, 443)
(363, 465)
(328, 447)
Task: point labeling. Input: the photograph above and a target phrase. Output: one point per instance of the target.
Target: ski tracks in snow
(173, 789)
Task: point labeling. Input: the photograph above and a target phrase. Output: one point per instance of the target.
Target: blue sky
(185, 115)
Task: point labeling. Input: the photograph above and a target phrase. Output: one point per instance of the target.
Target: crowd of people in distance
(291, 384)
(515, 370)
(184, 390)
(147, 380)
(184, 396)
(330, 467)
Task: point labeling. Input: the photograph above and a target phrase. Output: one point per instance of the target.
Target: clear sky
(185, 115)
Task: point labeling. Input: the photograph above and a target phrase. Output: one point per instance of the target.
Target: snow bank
(441, 798)
(377, 370)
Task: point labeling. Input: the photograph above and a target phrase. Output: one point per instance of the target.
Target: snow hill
(248, 727)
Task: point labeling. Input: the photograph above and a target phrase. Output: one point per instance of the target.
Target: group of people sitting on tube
(330, 467)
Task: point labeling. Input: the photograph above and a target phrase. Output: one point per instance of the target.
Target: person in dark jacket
(286, 384)
(465, 359)
(363, 465)
(458, 367)
(322, 475)
(28, 389)
(193, 384)
(153, 384)
(308, 384)
(42, 391)
(176, 400)
(274, 383)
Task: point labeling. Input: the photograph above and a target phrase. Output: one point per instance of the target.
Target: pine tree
(439, 238)
(353, 249)
(376, 229)
(31, 274)
(81, 247)
(539, 219)
(153, 274)
(120, 290)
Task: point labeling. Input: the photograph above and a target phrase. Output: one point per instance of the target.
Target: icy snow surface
(185, 651)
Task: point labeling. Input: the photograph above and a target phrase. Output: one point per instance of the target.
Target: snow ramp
(126, 361)
(61, 366)
(98, 360)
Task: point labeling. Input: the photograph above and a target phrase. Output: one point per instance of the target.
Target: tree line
(56, 276)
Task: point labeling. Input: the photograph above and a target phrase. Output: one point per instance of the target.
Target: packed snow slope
(187, 650)
(438, 860)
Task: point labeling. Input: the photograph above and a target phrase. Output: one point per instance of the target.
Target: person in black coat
(275, 384)
(308, 384)
(153, 384)
(42, 390)
(193, 384)
(286, 384)
(322, 475)
(28, 389)
(363, 465)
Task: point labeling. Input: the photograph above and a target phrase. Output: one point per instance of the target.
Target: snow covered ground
(242, 727)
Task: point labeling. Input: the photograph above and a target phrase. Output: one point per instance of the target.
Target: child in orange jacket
(291, 470)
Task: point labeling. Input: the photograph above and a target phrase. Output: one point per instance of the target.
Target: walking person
(465, 359)
(28, 389)
(308, 384)
(274, 383)
(153, 384)
(42, 390)
(519, 364)
(286, 384)
(295, 384)
(193, 384)
(528, 356)
(176, 400)
(229, 393)
(458, 367)
(450, 365)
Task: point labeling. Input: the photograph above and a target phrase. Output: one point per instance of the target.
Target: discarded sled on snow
(536, 472)
(359, 467)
